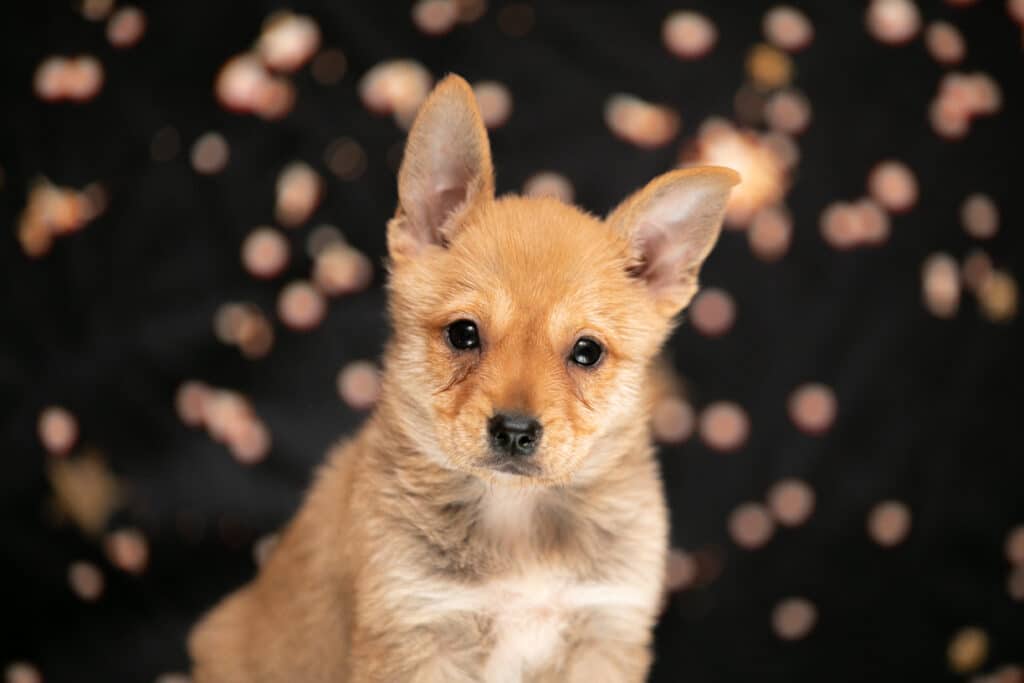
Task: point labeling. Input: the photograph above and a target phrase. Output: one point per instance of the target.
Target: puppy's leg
(600, 661)
(607, 647)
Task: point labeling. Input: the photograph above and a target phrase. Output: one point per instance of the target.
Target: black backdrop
(113, 319)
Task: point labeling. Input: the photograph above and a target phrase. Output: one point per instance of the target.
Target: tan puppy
(500, 517)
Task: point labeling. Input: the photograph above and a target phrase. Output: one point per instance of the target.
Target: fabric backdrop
(115, 317)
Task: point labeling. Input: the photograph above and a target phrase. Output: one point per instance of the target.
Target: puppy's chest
(525, 622)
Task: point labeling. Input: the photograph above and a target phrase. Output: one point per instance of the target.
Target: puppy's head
(523, 328)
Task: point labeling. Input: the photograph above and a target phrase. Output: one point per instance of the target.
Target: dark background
(113, 319)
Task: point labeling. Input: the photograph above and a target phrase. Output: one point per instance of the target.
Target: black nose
(513, 434)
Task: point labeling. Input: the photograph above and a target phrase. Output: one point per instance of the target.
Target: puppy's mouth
(517, 466)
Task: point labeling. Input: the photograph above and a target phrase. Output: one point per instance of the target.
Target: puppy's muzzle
(513, 435)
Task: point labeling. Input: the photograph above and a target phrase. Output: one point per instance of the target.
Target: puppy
(500, 517)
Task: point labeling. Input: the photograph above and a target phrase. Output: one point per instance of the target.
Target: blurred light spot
(251, 443)
(495, 102)
(962, 97)
(639, 122)
(190, 402)
(750, 525)
(681, 570)
(893, 185)
(980, 216)
(998, 297)
(516, 19)
(300, 306)
(793, 618)
(321, 237)
(52, 211)
(255, 335)
(345, 158)
(78, 79)
(230, 419)
(96, 10)
(435, 17)
(688, 35)
(58, 430)
(471, 10)
(889, 523)
(86, 581)
(210, 153)
(813, 408)
(940, 285)
(85, 490)
(359, 385)
(893, 21)
(275, 100)
(945, 43)
(949, 119)
(783, 147)
(83, 78)
(967, 650)
(49, 79)
(713, 312)
(341, 269)
(673, 419)
(768, 67)
(126, 27)
(1010, 673)
(239, 81)
(396, 87)
(173, 678)
(1015, 584)
(298, 189)
(227, 321)
(287, 40)
(847, 225)
(128, 550)
(329, 66)
(549, 184)
(22, 672)
(165, 144)
(873, 221)
(976, 269)
(1015, 8)
(770, 233)
(724, 426)
(262, 548)
(1015, 546)
(788, 28)
(791, 502)
(788, 111)
(265, 252)
(762, 171)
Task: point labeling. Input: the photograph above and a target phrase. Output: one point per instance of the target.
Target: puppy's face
(524, 327)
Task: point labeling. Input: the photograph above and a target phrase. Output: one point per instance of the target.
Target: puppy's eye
(586, 352)
(463, 335)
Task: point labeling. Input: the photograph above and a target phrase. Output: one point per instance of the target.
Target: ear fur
(672, 225)
(445, 169)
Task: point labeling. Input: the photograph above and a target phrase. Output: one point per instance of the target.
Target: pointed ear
(446, 168)
(672, 225)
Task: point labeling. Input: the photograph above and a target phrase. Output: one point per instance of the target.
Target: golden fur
(411, 559)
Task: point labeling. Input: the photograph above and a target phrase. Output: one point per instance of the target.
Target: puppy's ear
(672, 224)
(446, 168)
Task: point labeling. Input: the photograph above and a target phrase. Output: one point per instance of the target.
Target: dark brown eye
(463, 335)
(586, 352)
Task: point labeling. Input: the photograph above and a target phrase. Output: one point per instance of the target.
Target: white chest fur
(529, 614)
